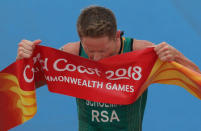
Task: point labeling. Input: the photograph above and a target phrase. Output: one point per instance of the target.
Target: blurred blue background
(178, 22)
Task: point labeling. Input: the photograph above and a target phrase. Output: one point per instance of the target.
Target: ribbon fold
(119, 79)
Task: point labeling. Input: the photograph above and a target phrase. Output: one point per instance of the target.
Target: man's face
(99, 48)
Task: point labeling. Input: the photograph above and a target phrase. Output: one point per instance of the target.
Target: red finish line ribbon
(118, 79)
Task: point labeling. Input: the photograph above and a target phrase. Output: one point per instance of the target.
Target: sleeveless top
(95, 116)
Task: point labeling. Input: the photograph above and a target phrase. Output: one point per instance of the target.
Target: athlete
(99, 38)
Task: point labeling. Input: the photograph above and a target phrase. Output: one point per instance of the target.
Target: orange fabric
(132, 74)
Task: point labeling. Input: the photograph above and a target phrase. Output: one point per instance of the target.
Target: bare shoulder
(72, 48)
(141, 44)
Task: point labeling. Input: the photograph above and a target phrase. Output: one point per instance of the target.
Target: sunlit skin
(99, 48)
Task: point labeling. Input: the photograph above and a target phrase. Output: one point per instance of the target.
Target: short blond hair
(96, 21)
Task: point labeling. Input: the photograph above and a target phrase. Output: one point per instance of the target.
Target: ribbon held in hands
(118, 79)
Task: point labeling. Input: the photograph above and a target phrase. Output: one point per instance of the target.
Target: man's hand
(25, 48)
(166, 52)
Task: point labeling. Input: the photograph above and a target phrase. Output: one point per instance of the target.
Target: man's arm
(72, 48)
(166, 53)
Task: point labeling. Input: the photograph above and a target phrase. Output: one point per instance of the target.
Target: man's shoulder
(141, 44)
(72, 48)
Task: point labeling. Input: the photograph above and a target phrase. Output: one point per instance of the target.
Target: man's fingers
(22, 54)
(37, 42)
(159, 46)
(25, 50)
(166, 58)
(26, 47)
(162, 50)
(151, 46)
(26, 42)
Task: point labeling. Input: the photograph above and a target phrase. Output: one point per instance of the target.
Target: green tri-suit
(94, 116)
